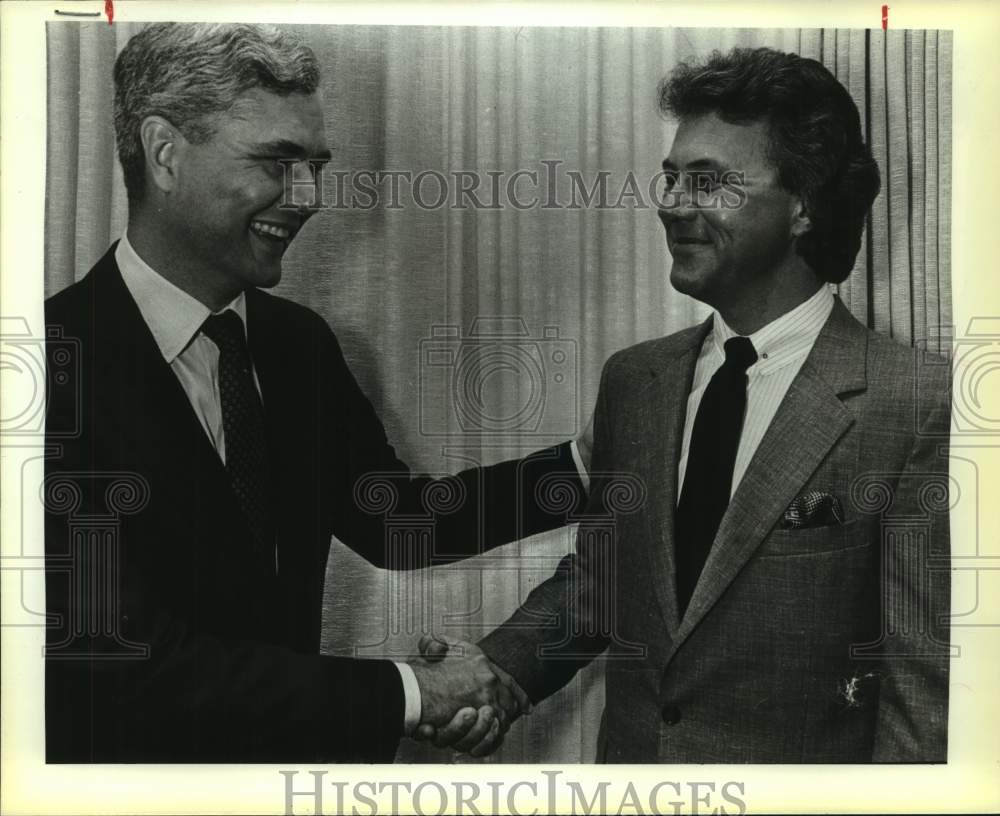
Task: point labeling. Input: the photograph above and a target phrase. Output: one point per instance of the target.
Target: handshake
(467, 702)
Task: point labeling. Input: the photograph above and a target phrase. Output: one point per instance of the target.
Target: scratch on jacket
(849, 689)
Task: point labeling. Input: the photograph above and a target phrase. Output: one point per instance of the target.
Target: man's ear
(163, 145)
(801, 222)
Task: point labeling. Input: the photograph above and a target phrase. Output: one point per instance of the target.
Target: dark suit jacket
(169, 640)
(821, 644)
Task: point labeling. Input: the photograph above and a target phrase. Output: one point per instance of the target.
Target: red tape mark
(885, 17)
(109, 9)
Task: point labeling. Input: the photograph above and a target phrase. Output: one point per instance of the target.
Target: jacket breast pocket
(816, 541)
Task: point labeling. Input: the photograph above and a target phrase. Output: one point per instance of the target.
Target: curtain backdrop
(578, 283)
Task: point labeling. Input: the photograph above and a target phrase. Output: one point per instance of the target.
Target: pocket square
(812, 509)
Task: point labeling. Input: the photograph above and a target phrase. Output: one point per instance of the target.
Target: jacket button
(671, 714)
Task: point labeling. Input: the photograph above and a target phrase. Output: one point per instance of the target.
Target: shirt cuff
(411, 693)
(584, 476)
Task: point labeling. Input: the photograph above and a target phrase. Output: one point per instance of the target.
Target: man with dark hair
(224, 441)
(813, 140)
(773, 597)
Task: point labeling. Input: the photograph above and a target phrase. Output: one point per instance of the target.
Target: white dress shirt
(175, 318)
(782, 347)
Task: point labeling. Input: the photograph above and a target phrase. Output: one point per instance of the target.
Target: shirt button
(671, 714)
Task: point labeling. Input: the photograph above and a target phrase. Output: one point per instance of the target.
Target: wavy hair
(814, 139)
(190, 72)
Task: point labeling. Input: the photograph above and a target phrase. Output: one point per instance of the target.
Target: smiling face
(732, 258)
(224, 213)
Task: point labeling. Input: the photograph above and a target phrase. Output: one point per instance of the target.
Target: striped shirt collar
(173, 316)
(785, 339)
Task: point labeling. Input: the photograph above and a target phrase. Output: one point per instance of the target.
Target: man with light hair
(245, 442)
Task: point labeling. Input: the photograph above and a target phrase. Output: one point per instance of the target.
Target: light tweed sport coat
(819, 644)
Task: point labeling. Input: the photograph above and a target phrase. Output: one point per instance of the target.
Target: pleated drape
(583, 282)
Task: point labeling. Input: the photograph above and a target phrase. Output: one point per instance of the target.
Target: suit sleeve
(563, 624)
(132, 677)
(471, 512)
(912, 723)
(198, 697)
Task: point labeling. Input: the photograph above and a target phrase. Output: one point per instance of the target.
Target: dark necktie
(708, 479)
(243, 427)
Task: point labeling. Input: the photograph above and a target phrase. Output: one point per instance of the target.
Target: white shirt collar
(173, 316)
(785, 338)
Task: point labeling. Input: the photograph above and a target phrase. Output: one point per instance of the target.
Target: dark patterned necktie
(243, 427)
(708, 479)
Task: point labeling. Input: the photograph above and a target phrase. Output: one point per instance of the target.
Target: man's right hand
(478, 727)
(457, 681)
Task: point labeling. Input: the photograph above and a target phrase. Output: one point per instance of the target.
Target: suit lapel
(809, 421)
(286, 402)
(666, 396)
(140, 396)
(284, 383)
